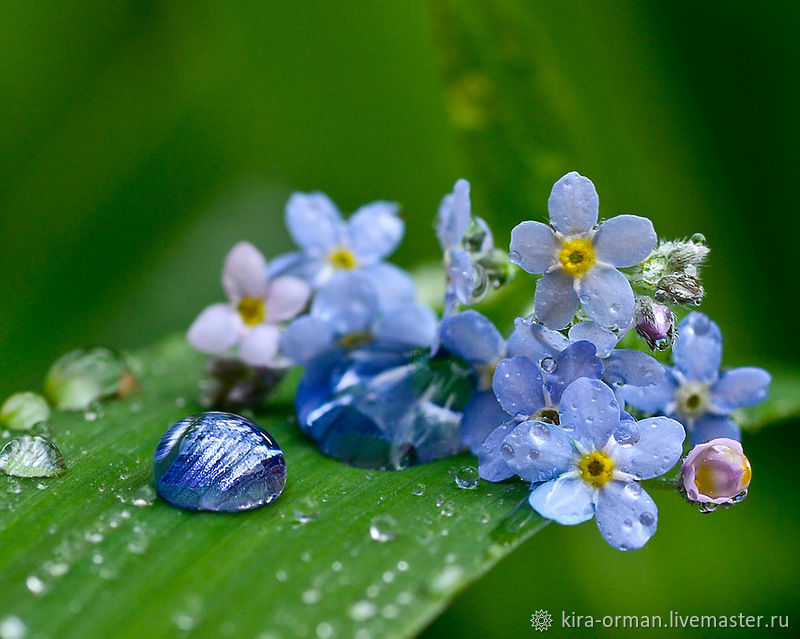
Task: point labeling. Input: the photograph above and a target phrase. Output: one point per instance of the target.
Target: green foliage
(91, 554)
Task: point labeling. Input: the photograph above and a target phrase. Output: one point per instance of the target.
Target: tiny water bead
(219, 462)
(467, 477)
(383, 528)
(31, 456)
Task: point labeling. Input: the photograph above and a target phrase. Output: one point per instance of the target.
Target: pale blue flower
(328, 244)
(591, 464)
(580, 262)
(346, 313)
(694, 391)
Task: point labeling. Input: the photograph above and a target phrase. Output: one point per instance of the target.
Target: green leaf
(92, 554)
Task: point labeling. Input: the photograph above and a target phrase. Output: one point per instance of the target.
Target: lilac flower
(580, 263)
(592, 463)
(329, 244)
(717, 472)
(257, 306)
(454, 219)
(528, 392)
(346, 313)
(694, 392)
(620, 365)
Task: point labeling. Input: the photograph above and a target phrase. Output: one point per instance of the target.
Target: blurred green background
(139, 140)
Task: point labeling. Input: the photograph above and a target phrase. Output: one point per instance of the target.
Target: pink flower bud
(716, 472)
(655, 324)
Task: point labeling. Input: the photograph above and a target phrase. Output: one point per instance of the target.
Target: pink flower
(251, 318)
(716, 472)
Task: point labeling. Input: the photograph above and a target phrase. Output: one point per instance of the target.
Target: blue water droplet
(220, 462)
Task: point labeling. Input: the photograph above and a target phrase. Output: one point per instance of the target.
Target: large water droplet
(220, 462)
(698, 238)
(467, 477)
(31, 456)
(383, 528)
(22, 411)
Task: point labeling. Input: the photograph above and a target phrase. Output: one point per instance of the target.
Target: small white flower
(256, 308)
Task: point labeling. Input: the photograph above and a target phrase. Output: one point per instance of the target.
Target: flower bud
(655, 323)
(717, 472)
(680, 289)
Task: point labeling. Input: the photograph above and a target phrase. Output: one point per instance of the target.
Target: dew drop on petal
(548, 365)
(626, 434)
(467, 477)
(633, 489)
(506, 451)
(541, 432)
(647, 519)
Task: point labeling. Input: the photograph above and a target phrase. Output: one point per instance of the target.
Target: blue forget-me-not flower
(329, 244)
(694, 391)
(580, 262)
(346, 313)
(591, 464)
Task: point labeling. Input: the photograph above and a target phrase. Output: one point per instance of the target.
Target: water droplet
(390, 611)
(447, 509)
(698, 238)
(306, 510)
(219, 462)
(12, 627)
(93, 537)
(740, 497)
(402, 565)
(627, 523)
(515, 257)
(533, 453)
(363, 610)
(506, 451)
(446, 580)
(31, 456)
(615, 308)
(336, 566)
(23, 411)
(383, 528)
(541, 432)
(87, 375)
(35, 585)
(388, 577)
(143, 496)
(548, 365)
(467, 477)
(626, 434)
(311, 596)
(324, 630)
(647, 519)
(419, 489)
(633, 489)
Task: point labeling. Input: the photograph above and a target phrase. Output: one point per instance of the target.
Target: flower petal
(653, 399)
(603, 339)
(573, 204)
(245, 272)
(589, 412)
(348, 303)
(306, 338)
(555, 300)
(314, 222)
(535, 341)
(287, 297)
(698, 348)
(625, 366)
(472, 337)
(517, 383)
(482, 415)
(710, 427)
(215, 329)
(657, 445)
(537, 451)
(566, 500)
(491, 465)
(460, 279)
(626, 515)
(624, 240)
(407, 326)
(576, 361)
(533, 246)
(393, 285)
(453, 217)
(260, 346)
(606, 296)
(375, 230)
(740, 387)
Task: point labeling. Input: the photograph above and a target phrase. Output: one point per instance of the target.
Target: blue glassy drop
(220, 462)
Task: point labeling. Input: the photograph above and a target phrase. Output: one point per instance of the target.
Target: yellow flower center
(577, 256)
(596, 468)
(342, 258)
(252, 310)
(354, 340)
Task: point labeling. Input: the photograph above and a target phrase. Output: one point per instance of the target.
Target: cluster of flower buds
(673, 270)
